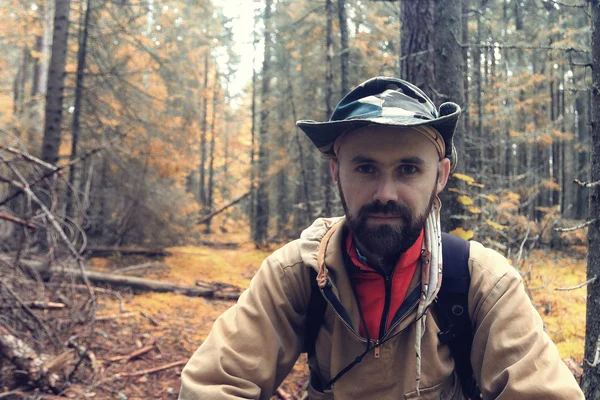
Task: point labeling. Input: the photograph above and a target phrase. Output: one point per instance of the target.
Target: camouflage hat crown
(387, 102)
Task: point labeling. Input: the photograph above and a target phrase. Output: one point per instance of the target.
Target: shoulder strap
(453, 315)
(315, 312)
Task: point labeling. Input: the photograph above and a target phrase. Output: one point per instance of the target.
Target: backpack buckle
(448, 335)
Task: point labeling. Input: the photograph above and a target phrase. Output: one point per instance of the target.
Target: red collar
(408, 258)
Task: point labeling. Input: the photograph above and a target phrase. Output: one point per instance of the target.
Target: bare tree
(79, 91)
(262, 194)
(449, 72)
(590, 380)
(56, 83)
(416, 46)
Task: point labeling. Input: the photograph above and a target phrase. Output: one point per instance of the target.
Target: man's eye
(365, 169)
(408, 169)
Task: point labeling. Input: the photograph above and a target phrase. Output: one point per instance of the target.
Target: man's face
(387, 181)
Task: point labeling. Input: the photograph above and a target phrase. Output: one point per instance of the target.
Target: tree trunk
(468, 140)
(202, 167)
(417, 64)
(582, 105)
(326, 180)
(38, 83)
(79, 93)
(449, 72)
(590, 381)
(19, 83)
(307, 216)
(252, 205)
(479, 155)
(262, 194)
(507, 139)
(281, 180)
(345, 50)
(211, 155)
(56, 83)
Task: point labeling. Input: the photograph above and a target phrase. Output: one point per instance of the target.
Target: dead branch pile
(46, 326)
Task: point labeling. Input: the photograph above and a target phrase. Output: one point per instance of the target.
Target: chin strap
(431, 277)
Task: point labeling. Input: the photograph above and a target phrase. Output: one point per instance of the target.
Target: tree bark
(202, 167)
(56, 83)
(345, 50)
(76, 123)
(466, 86)
(252, 191)
(262, 195)
(307, 216)
(211, 156)
(590, 380)
(326, 181)
(416, 65)
(582, 105)
(449, 72)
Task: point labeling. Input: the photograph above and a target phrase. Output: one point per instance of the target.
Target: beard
(387, 241)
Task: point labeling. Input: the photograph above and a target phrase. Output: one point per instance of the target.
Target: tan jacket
(255, 343)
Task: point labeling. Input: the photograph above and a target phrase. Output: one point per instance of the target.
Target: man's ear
(334, 165)
(444, 173)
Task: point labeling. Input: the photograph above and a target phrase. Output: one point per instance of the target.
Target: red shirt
(370, 286)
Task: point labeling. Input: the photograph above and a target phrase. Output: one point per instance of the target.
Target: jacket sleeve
(512, 357)
(253, 345)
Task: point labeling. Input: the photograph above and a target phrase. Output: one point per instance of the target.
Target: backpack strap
(453, 315)
(315, 313)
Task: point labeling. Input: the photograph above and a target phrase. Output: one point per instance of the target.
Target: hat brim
(324, 134)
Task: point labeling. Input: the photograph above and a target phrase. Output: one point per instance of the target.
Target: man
(380, 269)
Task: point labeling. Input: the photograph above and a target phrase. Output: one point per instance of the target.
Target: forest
(150, 160)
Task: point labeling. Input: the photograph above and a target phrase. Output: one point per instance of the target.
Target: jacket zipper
(350, 328)
(386, 307)
(377, 342)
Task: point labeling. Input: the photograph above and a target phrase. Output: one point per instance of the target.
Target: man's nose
(386, 191)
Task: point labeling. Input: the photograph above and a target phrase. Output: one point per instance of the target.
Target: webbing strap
(453, 313)
(315, 312)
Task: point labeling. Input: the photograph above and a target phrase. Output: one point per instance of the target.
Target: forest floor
(175, 325)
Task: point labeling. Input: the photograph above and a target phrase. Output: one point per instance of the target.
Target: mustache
(390, 208)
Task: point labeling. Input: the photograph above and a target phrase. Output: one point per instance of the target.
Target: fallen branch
(223, 208)
(51, 334)
(137, 267)
(133, 282)
(155, 369)
(576, 227)
(40, 305)
(46, 305)
(152, 320)
(217, 245)
(221, 290)
(55, 170)
(587, 184)
(16, 220)
(592, 280)
(133, 354)
(36, 366)
(100, 251)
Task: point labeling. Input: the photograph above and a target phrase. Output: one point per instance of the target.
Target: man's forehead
(386, 142)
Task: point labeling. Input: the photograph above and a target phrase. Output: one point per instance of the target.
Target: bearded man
(378, 272)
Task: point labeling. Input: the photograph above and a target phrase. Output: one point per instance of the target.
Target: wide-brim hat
(386, 102)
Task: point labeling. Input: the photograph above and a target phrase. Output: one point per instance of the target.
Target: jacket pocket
(449, 389)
